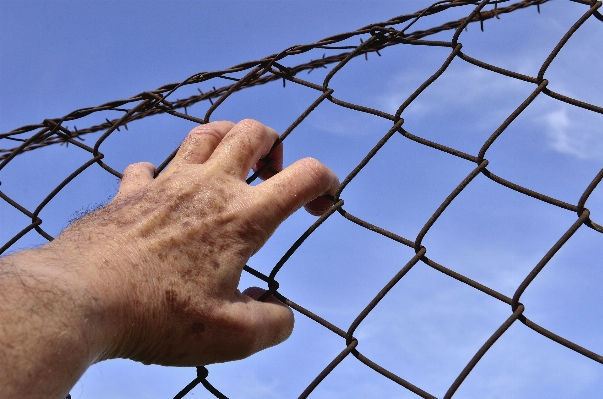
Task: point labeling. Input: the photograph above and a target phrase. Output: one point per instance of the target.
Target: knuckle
(257, 130)
(211, 130)
(251, 123)
(138, 168)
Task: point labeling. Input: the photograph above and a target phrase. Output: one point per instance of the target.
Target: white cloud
(342, 122)
(481, 100)
(429, 342)
(460, 86)
(577, 135)
(523, 362)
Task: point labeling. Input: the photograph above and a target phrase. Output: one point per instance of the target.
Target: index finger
(201, 142)
(242, 147)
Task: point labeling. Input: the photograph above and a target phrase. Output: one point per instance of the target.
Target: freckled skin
(153, 275)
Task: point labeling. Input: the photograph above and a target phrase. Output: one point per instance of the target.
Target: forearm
(47, 334)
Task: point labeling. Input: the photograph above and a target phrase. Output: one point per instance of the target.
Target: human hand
(166, 255)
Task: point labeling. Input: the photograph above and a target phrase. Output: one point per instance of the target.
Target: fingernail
(318, 206)
(254, 292)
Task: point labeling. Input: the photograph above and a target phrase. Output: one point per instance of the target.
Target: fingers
(242, 147)
(264, 324)
(294, 187)
(201, 142)
(136, 176)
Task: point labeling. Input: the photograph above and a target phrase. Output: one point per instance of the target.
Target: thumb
(267, 323)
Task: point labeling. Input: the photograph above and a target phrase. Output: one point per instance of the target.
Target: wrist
(103, 271)
(93, 288)
(59, 278)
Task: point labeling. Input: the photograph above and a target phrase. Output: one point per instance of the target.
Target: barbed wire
(395, 32)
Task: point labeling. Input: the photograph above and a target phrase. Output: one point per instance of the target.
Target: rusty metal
(395, 32)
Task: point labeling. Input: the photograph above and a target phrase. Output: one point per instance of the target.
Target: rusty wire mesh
(395, 32)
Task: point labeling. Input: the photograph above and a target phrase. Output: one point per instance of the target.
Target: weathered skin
(153, 275)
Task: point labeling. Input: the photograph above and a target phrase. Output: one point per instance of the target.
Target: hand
(166, 255)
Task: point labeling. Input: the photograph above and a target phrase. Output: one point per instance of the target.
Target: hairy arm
(47, 318)
(153, 275)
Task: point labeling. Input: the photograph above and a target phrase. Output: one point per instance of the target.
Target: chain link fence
(338, 52)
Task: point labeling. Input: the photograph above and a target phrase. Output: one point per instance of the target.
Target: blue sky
(57, 56)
